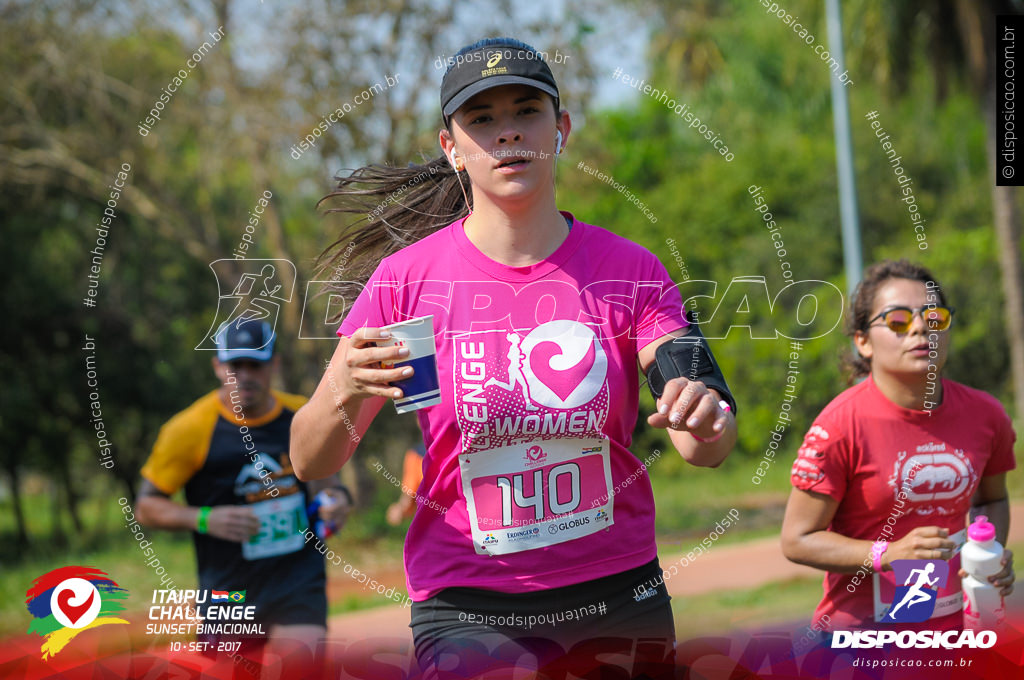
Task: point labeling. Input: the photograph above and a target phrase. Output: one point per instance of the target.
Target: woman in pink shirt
(893, 466)
(546, 527)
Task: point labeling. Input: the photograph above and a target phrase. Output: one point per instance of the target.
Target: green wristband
(203, 519)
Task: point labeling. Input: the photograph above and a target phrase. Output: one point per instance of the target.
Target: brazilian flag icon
(237, 596)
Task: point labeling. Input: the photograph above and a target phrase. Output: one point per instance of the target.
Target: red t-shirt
(894, 469)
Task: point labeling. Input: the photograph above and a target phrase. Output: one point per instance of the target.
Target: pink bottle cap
(981, 529)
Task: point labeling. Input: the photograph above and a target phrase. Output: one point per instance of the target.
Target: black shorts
(299, 606)
(624, 619)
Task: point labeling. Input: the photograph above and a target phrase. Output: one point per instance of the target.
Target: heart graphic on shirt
(73, 612)
(564, 364)
(561, 381)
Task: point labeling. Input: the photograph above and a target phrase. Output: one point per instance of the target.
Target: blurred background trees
(80, 76)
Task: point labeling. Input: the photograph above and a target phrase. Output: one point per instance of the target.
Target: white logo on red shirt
(807, 466)
(943, 480)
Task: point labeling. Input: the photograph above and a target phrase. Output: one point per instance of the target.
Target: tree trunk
(19, 514)
(71, 498)
(977, 29)
(1007, 224)
(122, 470)
(57, 536)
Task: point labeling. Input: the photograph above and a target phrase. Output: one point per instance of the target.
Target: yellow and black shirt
(221, 458)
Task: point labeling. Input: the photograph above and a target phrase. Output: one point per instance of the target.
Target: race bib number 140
(533, 495)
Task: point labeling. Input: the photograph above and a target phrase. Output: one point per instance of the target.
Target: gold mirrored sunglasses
(899, 319)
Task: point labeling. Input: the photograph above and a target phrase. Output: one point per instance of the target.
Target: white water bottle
(981, 557)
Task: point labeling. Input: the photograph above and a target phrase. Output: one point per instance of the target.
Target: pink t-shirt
(528, 449)
(894, 469)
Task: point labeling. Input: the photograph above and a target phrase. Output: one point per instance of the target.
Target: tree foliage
(79, 78)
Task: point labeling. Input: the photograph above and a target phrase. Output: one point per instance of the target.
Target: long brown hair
(863, 302)
(394, 207)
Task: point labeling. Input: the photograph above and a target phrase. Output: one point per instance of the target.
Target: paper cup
(422, 389)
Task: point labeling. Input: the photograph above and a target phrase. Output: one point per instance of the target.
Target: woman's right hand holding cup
(363, 373)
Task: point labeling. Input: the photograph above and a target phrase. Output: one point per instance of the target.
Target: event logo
(66, 601)
(564, 364)
(535, 455)
(914, 601)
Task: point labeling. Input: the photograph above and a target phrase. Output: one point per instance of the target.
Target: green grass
(721, 612)
(690, 500)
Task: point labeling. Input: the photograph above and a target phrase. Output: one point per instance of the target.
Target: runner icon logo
(914, 600)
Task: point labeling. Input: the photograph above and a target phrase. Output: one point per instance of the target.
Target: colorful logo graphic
(69, 600)
(914, 601)
(535, 455)
(237, 596)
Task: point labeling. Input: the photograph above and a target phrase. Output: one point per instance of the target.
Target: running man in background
(865, 488)
(412, 475)
(243, 502)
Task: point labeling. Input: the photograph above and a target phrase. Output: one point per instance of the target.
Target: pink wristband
(877, 550)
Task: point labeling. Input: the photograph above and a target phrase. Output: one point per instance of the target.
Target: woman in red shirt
(892, 467)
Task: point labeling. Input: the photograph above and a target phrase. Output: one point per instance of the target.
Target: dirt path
(729, 567)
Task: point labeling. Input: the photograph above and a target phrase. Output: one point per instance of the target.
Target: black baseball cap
(503, 61)
(245, 339)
